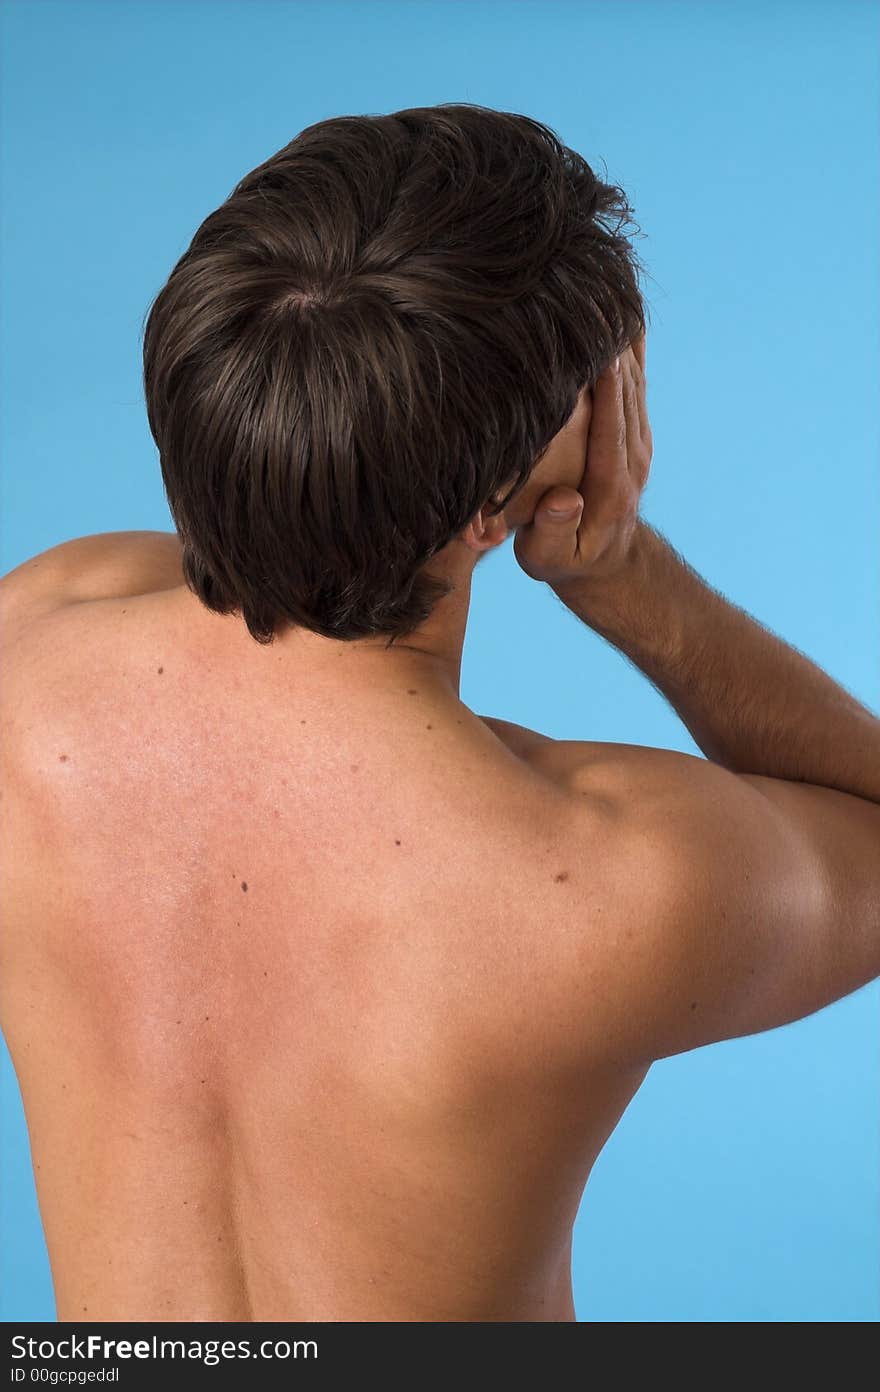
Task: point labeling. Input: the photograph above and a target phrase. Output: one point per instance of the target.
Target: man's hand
(588, 532)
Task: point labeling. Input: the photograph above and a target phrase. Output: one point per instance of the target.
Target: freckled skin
(160, 670)
(563, 875)
(62, 758)
(244, 886)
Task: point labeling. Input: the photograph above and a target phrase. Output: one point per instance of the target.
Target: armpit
(520, 740)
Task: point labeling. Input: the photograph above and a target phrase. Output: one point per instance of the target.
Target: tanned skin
(323, 991)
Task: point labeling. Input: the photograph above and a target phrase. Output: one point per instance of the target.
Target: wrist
(649, 607)
(598, 592)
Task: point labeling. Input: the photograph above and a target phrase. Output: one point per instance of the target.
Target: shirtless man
(325, 993)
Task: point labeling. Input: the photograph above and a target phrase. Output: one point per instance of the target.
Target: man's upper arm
(745, 902)
(92, 567)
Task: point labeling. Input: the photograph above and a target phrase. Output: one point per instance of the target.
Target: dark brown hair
(379, 331)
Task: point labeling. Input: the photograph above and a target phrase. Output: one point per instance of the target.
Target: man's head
(373, 344)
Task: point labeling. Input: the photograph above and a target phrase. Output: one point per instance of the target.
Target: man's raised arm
(753, 886)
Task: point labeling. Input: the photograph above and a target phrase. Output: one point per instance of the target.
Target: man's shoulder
(606, 769)
(65, 655)
(103, 566)
(614, 821)
(595, 892)
(631, 908)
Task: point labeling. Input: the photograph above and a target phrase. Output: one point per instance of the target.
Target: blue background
(743, 1182)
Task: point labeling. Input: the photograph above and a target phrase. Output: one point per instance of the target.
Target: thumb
(559, 505)
(547, 546)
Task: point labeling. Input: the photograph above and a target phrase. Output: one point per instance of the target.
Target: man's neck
(431, 655)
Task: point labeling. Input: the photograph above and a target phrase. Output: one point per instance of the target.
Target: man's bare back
(279, 993)
(323, 992)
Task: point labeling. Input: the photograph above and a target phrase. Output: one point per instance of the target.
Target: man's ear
(485, 531)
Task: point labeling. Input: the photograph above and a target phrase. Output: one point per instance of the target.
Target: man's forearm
(751, 702)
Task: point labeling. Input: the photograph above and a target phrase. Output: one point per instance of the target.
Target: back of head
(377, 333)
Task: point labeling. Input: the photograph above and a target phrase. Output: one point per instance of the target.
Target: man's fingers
(630, 407)
(638, 347)
(606, 443)
(641, 383)
(644, 422)
(638, 428)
